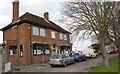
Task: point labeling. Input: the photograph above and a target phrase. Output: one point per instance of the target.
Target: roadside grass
(113, 67)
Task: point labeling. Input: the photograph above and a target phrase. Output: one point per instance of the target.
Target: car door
(82, 56)
(71, 59)
(63, 58)
(68, 59)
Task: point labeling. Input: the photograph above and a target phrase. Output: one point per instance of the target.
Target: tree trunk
(103, 50)
(118, 47)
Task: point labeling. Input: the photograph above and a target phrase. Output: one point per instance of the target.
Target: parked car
(113, 51)
(91, 55)
(61, 59)
(78, 56)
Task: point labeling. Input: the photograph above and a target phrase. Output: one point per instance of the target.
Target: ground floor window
(65, 49)
(13, 50)
(21, 50)
(41, 49)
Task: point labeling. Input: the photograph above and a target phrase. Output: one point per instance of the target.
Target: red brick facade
(19, 37)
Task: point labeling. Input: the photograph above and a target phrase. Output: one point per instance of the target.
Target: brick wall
(22, 35)
(0, 61)
(48, 38)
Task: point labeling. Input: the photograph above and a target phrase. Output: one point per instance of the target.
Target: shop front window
(41, 49)
(65, 49)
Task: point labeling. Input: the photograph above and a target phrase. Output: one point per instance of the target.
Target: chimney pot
(46, 15)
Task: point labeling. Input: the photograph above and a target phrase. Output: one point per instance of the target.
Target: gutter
(32, 23)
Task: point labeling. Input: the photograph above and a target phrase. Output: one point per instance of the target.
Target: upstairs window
(53, 34)
(65, 37)
(61, 36)
(42, 32)
(35, 31)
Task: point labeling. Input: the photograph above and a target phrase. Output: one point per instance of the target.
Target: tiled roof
(36, 20)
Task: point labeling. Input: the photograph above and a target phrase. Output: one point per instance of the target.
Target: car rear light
(60, 60)
(77, 53)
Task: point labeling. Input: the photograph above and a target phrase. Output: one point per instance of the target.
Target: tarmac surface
(84, 66)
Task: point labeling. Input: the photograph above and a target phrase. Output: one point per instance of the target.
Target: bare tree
(96, 17)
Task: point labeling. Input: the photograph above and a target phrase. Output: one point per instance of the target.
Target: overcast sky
(37, 7)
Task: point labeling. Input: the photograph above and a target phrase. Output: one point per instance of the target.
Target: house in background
(29, 37)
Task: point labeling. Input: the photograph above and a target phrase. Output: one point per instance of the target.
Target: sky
(37, 7)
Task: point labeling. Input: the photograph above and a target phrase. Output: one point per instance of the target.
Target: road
(84, 66)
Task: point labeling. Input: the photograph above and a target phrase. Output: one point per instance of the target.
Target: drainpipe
(31, 46)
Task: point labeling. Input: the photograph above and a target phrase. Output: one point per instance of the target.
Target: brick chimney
(15, 10)
(46, 15)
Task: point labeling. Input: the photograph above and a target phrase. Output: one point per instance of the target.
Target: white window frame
(53, 34)
(61, 36)
(35, 31)
(65, 37)
(42, 32)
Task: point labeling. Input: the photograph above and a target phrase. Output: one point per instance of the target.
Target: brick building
(29, 37)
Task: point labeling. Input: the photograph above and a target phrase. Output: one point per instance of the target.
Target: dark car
(61, 59)
(78, 56)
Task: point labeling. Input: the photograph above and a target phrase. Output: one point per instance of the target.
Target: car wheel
(91, 57)
(85, 59)
(52, 65)
(95, 56)
(65, 64)
(73, 62)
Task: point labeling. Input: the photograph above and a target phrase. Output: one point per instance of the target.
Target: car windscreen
(72, 55)
(55, 57)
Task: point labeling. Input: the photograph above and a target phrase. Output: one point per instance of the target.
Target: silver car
(61, 59)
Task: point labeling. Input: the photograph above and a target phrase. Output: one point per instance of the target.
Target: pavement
(84, 66)
(0, 71)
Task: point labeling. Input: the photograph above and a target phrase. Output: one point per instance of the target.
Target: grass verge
(113, 67)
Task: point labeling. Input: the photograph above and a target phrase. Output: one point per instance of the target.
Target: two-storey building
(29, 37)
